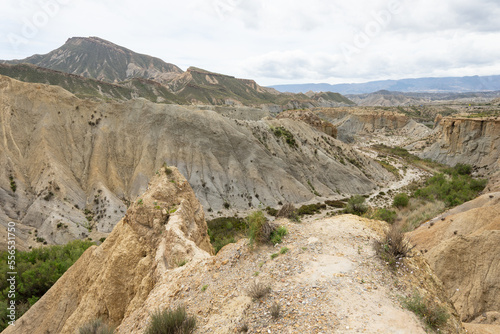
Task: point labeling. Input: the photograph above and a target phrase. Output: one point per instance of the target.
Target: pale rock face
(113, 280)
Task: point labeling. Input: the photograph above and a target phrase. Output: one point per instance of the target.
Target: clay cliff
(463, 247)
(473, 141)
(352, 122)
(77, 163)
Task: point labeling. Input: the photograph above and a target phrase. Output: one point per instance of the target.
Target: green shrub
(171, 322)
(453, 190)
(433, 315)
(283, 132)
(401, 200)
(283, 250)
(278, 234)
(13, 185)
(225, 230)
(96, 326)
(311, 209)
(336, 204)
(271, 211)
(259, 229)
(37, 270)
(356, 205)
(386, 215)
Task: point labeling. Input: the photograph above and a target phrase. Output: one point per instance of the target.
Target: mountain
(96, 68)
(97, 58)
(448, 84)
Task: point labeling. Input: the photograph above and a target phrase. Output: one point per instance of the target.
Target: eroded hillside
(77, 163)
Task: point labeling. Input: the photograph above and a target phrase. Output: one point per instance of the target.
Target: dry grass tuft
(257, 290)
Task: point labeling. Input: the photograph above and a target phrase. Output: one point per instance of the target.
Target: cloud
(280, 41)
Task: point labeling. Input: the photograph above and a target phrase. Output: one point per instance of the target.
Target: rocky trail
(328, 281)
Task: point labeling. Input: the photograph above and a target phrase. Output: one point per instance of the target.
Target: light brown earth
(463, 248)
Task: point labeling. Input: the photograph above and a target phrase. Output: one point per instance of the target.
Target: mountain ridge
(426, 85)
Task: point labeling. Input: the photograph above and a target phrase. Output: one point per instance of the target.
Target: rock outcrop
(312, 119)
(463, 247)
(165, 226)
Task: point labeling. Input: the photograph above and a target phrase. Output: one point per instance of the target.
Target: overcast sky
(274, 41)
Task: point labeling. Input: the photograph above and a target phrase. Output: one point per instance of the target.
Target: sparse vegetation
(169, 321)
(283, 250)
(274, 255)
(419, 211)
(96, 326)
(393, 247)
(278, 234)
(257, 290)
(13, 185)
(286, 134)
(429, 311)
(37, 270)
(275, 310)
(49, 196)
(181, 262)
(225, 230)
(204, 287)
(390, 168)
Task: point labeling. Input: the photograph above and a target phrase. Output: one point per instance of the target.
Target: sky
(274, 41)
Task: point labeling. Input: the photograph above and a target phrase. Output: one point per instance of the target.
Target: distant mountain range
(96, 68)
(424, 85)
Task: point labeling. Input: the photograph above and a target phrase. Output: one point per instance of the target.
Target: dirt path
(329, 281)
